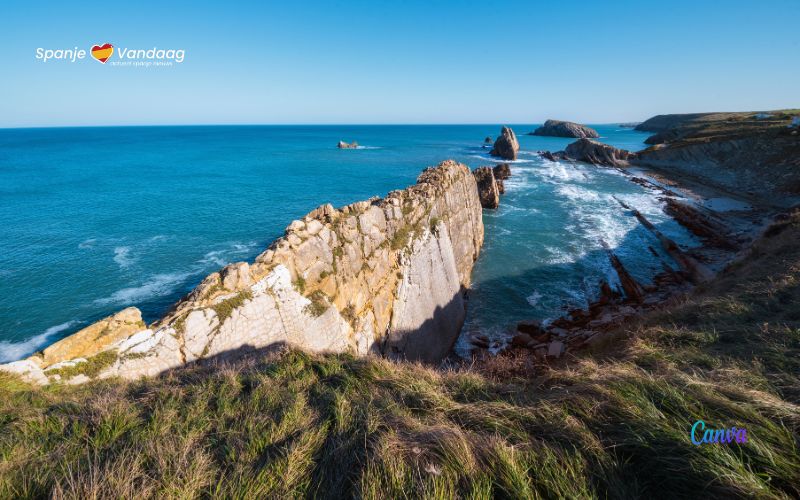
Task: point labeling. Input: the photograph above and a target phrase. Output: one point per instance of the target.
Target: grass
(402, 236)
(613, 423)
(225, 308)
(91, 367)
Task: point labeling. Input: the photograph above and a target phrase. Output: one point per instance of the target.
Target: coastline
(727, 223)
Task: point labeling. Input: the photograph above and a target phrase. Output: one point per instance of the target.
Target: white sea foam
(495, 159)
(225, 256)
(13, 351)
(123, 258)
(560, 256)
(534, 298)
(562, 172)
(156, 286)
(90, 243)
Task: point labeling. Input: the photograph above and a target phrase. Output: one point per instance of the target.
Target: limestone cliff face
(383, 276)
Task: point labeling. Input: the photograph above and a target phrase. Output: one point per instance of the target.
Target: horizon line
(366, 124)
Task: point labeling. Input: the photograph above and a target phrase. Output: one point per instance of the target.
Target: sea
(95, 219)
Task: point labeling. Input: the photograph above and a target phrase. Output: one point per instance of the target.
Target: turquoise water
(96, 219)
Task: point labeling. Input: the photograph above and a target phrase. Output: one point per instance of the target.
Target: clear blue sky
(400, 62)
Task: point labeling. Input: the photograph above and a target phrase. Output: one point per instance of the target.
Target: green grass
(225, 308)
(608, 424)
(91, 367)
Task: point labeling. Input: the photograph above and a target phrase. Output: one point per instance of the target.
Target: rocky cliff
(378, 276)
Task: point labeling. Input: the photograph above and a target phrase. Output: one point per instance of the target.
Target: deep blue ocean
(96, 219)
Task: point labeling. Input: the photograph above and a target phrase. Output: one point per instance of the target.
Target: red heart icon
(102, 52)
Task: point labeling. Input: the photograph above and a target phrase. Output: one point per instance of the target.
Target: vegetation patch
(300, 284)
(91, 367)
(225, 308)
(319, 304)
(180, 324)
(433, 223)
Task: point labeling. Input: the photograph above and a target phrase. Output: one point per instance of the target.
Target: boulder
(547, 155)
(502, 171)
(488, 140)
(597, 153)
(506, 146)
(345, 145)
(488, 192)
(521, 340)
(558, 128)
(95, 337)
(530, 327)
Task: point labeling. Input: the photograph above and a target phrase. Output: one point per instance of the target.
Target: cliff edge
(383, 276)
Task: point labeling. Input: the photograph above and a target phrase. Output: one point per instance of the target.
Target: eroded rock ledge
(382, 275)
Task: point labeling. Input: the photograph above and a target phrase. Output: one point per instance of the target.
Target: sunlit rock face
(382, 276)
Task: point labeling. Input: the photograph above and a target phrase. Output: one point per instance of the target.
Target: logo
(116, 56)
(102, 52)
(721, 436)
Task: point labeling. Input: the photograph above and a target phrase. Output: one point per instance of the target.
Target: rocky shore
(726, 235)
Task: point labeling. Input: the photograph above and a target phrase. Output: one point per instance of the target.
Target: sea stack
(501, 172)
(558, 128)
(488, 192)
(506, 146)
(345, 145)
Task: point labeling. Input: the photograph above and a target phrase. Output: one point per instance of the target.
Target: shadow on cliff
(433, 340)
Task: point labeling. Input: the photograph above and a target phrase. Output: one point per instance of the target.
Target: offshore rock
(346, 145)
(506, 146)
(488, 191)
(558, 128)
(597, 153)
(502, 171)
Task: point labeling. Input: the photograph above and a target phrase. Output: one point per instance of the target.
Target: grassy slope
(706, 127)
(615, 423)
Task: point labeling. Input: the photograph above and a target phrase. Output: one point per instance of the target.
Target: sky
(428, 61)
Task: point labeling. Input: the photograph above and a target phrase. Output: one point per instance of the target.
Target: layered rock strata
(488, 188)
(378, 276)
